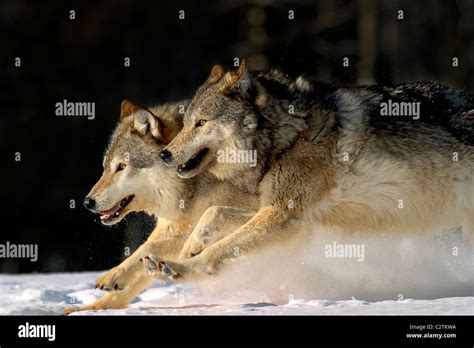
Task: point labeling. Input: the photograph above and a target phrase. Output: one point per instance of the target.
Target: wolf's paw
(118, 277)
(183, 270)
(161, 269)
(69, 310)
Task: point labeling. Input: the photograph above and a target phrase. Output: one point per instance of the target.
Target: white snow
(405, 277)
(48, 294)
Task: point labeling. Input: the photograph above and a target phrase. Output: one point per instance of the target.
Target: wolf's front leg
(268, 227)
(215, 223)
(132, 279)
(286, 192)
(118, 278)
(116, 299)
(127, 271)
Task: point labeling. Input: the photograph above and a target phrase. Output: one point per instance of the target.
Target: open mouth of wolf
(113, 215)
(192, 164)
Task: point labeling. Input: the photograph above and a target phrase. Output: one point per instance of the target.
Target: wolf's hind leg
(215, 223)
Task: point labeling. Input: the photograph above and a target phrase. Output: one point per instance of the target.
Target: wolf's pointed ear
(216, 73)
(127, 108)
(144, 119)
(238, 80)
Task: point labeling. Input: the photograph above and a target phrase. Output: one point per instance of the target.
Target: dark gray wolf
(394, 158)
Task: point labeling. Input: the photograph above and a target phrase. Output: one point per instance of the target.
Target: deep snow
(404, 276)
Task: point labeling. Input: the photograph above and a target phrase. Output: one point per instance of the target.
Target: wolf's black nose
(166, 156)
(89, 203)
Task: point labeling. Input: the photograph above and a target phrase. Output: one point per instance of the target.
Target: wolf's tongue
(112, 211)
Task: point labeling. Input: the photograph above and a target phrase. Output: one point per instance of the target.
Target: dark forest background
(83, 60)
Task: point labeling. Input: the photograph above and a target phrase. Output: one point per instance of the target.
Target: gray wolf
(327, 155)
(190, 212)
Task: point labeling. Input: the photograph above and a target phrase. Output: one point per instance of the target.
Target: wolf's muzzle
(89, 203)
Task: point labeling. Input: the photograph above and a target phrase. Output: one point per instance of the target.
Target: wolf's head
(134, 178)
(219, 117)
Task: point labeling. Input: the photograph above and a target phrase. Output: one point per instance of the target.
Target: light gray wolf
(396, 158)
(191, 213)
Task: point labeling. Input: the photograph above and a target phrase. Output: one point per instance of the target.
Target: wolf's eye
(121, 166)
(201, 123)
